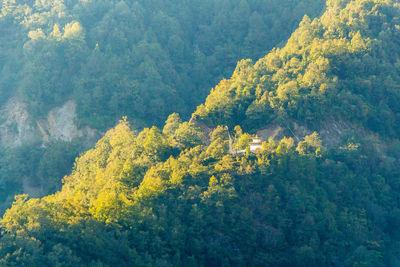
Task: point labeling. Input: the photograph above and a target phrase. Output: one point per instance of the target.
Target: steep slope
(114, 58)
(36, 153)
(134, 58)
(343, 66)
(167, 198)
(162, 199)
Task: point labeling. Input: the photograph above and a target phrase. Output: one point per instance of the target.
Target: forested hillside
(164, 198)
(342, 66)
(134, 58)
(144, 59)
(176, 196)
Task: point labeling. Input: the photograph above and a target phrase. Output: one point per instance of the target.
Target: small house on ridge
(255, 143)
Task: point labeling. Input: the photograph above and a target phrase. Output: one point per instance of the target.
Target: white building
(255, 143)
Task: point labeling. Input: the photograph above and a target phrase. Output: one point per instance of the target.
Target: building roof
(256, 140)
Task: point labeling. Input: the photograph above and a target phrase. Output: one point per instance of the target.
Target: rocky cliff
(17, 126)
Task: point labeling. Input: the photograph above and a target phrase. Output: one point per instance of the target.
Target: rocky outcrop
(61, 122)
(204, 128)
(61, 125)
(331, 132)
(18, 127)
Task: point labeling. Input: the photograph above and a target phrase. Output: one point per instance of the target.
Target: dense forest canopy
(341, 66)
(178, 196)
(134, 58)
(165, 198)
(143, 59)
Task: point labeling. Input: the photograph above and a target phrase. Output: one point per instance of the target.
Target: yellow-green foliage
(164, 198)
(134, 196)
(331, 67)
(139, 58)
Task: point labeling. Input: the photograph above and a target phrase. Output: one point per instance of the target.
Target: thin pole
(298, 140)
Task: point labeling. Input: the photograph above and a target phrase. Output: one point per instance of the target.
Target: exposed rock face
(204, 128)
(331, 132)
(273, 131)
(61, 122)
(18, 127)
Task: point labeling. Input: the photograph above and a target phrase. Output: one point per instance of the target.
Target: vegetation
(144, 59)
(35, 169)
(177, 197)
(142, 199)
(133, 58)
(341, 66)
